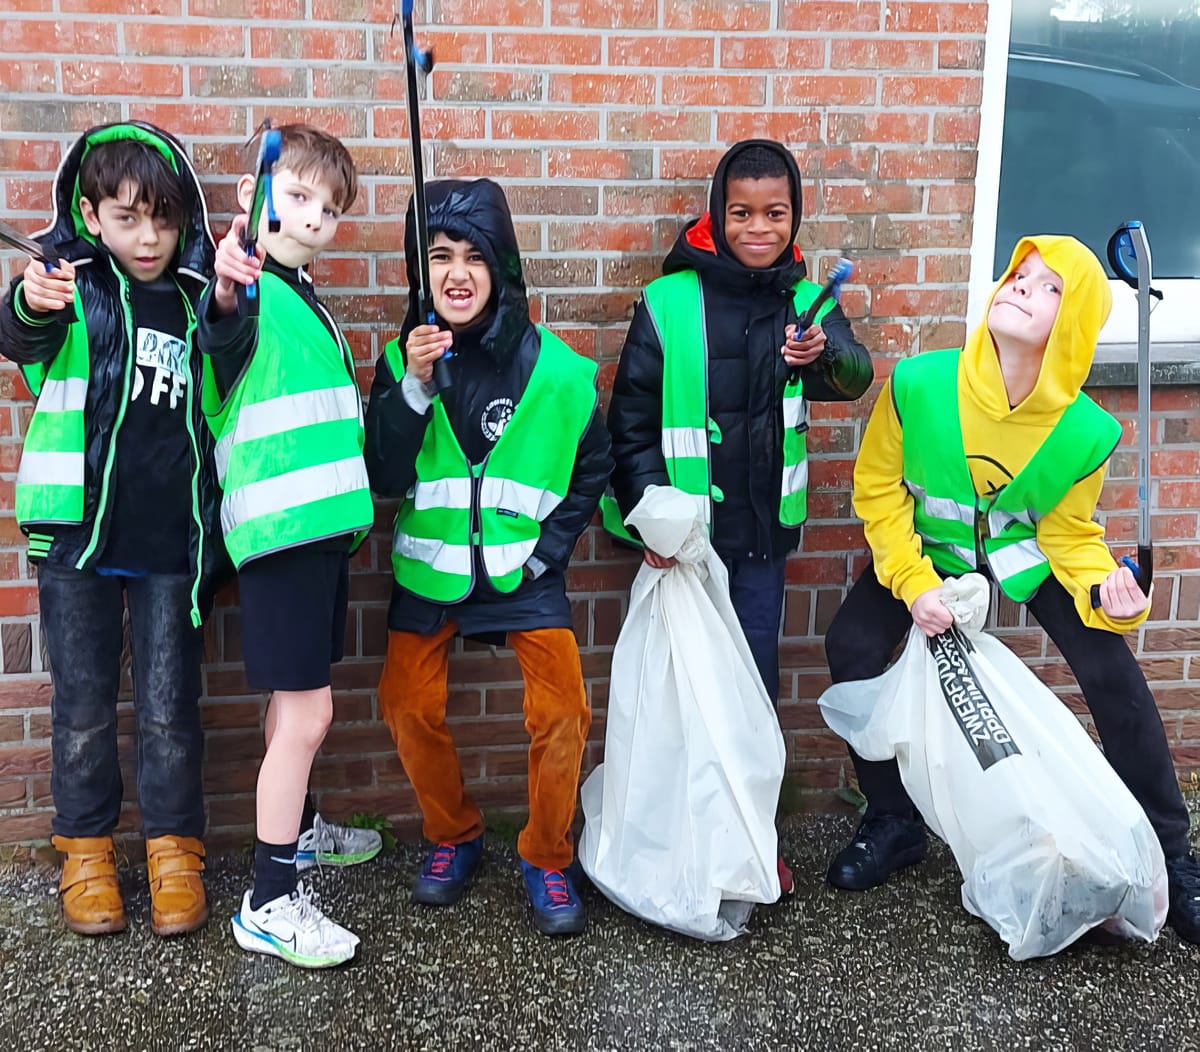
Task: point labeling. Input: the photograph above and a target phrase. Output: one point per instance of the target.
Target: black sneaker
(447, 871)
(882, 845)
(1183, 883)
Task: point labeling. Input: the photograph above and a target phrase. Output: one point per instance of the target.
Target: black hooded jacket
(745, 311)
(491, 366)
(105, 315)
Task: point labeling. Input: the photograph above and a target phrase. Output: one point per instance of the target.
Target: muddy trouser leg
(756, 591)
(1123, 709)
(81, 616)
(166, 691)
(860, 641)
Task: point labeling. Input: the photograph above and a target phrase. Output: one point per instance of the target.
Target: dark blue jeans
(81, 615)
(756, 589)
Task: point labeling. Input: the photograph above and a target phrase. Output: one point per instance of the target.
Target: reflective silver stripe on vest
(795, 411)
(795, 477)
(50, 469)
(286, 413)
(508, 495)
(965, 554)
(292, 490)
(434, 553)
(441, 493)
(1013, 559)
(60, 396)
(684, 442)
(942, 507)
(500, 559)
(998, 521)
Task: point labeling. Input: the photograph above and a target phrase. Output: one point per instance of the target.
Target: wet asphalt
(902, 967)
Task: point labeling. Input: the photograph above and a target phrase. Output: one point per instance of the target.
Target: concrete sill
(1115, 365)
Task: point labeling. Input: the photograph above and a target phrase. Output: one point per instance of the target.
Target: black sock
(310, 812)
(274, 872)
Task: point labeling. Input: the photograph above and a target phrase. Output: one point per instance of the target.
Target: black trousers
(872, 622)
(82, 614)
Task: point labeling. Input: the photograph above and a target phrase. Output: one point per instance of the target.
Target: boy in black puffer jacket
(118, 496)
(702, 398)
(497, 476)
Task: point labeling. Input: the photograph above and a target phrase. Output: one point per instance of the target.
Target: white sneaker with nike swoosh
(292, 927)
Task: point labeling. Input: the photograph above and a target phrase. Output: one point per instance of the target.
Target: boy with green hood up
(118, 497)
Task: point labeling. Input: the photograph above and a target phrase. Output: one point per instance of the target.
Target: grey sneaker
(330, 844)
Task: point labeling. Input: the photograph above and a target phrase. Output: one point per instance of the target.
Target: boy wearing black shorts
(282, 401)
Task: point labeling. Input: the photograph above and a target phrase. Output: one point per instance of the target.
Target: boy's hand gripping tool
(1129, 257)
(44, 254)
(270, 145)
(838, 274)
(414, 59)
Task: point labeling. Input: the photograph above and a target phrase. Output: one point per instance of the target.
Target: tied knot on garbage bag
(967, 598)
(671, 523)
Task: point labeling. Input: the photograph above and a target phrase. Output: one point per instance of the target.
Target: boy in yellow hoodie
(1006, 487)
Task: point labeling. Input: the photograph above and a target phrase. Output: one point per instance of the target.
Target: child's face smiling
(1025, 306)
(758, 219)
(461, 280)
(142, 244)
(308, 216)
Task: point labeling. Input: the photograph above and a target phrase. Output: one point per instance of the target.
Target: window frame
(1173, 321)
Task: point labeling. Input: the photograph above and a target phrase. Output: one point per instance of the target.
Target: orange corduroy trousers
(412, 696)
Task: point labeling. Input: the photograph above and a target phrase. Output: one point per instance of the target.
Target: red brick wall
(603, 121)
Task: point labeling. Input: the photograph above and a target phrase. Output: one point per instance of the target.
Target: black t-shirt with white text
(151, 489)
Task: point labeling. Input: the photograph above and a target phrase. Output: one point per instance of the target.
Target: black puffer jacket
(99, 285)
(493, 359)
(745, 311)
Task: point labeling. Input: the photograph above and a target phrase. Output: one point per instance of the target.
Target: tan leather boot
(91, 900)
(177, 902)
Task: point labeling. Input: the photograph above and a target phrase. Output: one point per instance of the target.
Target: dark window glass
(1102, 124)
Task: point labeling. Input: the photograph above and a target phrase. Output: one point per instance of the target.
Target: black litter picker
(1129, 257)
(414, 59)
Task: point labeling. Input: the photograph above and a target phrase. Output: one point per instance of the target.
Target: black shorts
(293, 617)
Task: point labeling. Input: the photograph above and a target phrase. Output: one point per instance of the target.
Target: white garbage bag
(679, 820)
(1049, 841)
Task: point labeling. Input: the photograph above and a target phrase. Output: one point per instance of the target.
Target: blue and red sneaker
(557, 907)
(447, 871)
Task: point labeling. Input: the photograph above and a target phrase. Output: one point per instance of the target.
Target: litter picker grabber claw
(414, 59)
(1129, 256)
(270, 145)
(42, 253)
(841, 272)
(15, 239)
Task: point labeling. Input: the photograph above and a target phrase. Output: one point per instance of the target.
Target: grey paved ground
(902, 967)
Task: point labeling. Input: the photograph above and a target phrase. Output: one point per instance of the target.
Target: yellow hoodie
(1000, 439)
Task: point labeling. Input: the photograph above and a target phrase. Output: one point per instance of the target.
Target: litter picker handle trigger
(1143, 571)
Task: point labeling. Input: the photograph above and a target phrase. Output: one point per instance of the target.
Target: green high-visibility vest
(289, 434)
(494, 509)
(959, 529)
(676, 306)
(50, 480)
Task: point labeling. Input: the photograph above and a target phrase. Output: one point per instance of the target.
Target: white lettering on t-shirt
(167, 356)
